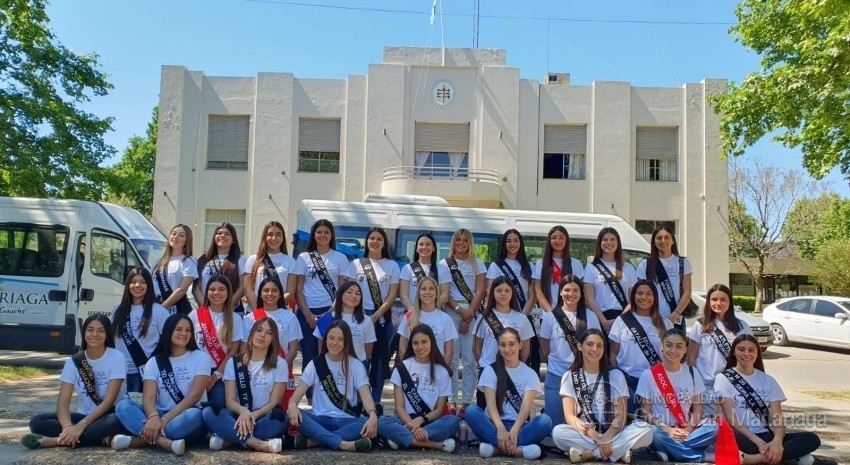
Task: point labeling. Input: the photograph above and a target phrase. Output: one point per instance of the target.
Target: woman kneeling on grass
(97, 374)
(422, 386)
(338, 379)
(254, 383)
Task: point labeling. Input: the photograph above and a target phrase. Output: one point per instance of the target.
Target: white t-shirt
(361, 333)
(554, 288)
(109, 366)
(322, 405)
(148, 343)
(186, 367)
(439, 322)
(686, 388)
(314, 291)
(387, 273)
(709, 360)
(468, 276)
(283, 263)
(513, 319)
(764, 385)
(671, 265)
(444, 276)
(288, 328)
(207, 271)
(619, 389)
(429, 389)
(524, 379)
(218, 322)
(602, 293)
(630, 359)
(179, 267)
(560, 354)
(494, 272)
(262, 381)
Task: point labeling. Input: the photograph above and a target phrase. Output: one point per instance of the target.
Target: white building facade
(456, 123)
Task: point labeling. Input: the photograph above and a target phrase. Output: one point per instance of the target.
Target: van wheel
(779, 336)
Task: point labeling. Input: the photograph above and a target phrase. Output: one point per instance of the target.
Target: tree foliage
(49, 147)
(832, 267)
(819, 221)
(131, 179)
(802, 92)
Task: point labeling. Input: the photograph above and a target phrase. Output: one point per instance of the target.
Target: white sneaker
(575, 455)
(178, 447)
(807, 459)
(275, 445)
(120, 441)
(393, 445)
(486, 450)
(531, 452)
(662, 456)
(627, 458)
(449, 445)
(216, 442)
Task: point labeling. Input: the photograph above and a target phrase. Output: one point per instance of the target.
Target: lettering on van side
(20, 298)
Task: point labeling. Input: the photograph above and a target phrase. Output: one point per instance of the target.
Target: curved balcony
(461, 187)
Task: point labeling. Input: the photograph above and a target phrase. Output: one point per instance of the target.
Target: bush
(747, 303)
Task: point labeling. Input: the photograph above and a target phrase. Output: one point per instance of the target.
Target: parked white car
(821, 320)
(759, 327)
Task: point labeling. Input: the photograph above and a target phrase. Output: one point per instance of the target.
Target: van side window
(111, 257)
(32, 250)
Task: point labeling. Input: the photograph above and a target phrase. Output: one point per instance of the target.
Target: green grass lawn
(9, 374)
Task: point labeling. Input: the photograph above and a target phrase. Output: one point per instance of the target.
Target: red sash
(556, 272)
(211, 342)
(668, 394)
(259, 314)
(725, 446)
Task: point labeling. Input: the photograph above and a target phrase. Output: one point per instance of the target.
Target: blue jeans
(134, 382)
(47, 424)
(309, 343)
(690, 450)
(189, 424)
(215, 396)
(532, 432)
(330, 431)
(634, 402)
(439, 430)
(554, 403)
(380, 360)
(221, 423)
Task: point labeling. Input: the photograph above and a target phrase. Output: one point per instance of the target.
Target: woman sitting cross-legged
(594, 401)
(422, 386)
(338, 379)
(254, 383)
(97, 374)
(510, 387)
(174, 385)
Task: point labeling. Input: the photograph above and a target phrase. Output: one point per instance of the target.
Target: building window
(564, 151)
(657, 151)
(215, 217)
(227, 142)
(318, 145)
(647, 227)
(442, 150)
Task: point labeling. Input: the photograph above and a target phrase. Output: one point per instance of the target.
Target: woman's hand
(370, 429)
(420, 434)
(294, 415)
(504, 439)
(605, 450)
(244, 425)
(606, 324)
(772, 452)
(154, 426)
(678, 434)
(211, 382)
(70, 436)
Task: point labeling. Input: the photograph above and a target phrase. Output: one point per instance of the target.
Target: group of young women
(613, 336)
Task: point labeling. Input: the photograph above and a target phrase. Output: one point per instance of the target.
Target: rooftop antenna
(475, 15)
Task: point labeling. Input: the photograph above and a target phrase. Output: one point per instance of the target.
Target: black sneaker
(300, 442)
(363, 445)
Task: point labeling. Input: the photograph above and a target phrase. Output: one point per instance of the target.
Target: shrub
(747, 303)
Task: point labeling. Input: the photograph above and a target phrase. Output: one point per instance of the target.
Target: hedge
(747, 303)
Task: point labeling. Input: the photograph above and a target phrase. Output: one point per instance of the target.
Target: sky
(663, 43)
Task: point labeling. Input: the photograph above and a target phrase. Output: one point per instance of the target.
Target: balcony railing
(441, 173)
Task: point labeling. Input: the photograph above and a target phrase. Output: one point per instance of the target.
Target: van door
(108, 258)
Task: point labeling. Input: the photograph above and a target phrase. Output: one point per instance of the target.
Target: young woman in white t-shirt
(760, 440)
(170, 415)
(336, 427)
(426, 311)
(223, 256)
(664, 253)
(503, 428)
(601, 298)
(348, 306)
(556, 346)
(93, 422)
(425, 256)
(412, 425)
(718, 321)
(555, 263)
(600, 431)
(675, 411)
(502, 303)
(272, 249)
(176, 271)
(225, 332)
(257, 424)
(146, 318)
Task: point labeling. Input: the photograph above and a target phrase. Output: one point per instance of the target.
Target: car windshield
(150, 251)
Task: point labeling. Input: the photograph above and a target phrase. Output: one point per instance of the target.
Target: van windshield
(150, 251)
(33, 250)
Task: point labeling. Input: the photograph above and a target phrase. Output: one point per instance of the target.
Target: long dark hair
(502, 372)
(311, 242)
(434, 271)
(227, 330)
(262, 251)
(122, 313)
(385, 250)
(347, 348)
(521, 257)
(657, 320)
(581, 308)
(652, 261)
(107, 325)
(168, 328)
(731, 361)
(230, 266)
(359, 315)
(435, 357)
(270, 361)
(618, 254)
(546, 266)
(281, 302)
(604, 372)
(491, 299)
(730, 321)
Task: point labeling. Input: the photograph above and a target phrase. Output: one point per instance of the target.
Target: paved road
(807, 367)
